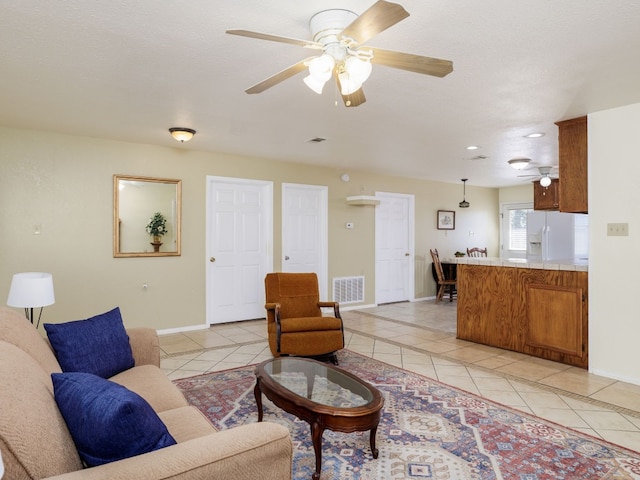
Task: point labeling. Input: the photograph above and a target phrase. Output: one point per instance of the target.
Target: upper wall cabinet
(572, 144)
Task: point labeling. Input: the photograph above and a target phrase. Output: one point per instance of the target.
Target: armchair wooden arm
(334, 305)
(276, 317)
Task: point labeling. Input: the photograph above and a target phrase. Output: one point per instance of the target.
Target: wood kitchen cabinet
(572, 163)
(546, 198)
(528, 310)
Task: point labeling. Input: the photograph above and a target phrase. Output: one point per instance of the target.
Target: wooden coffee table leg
(258, 394)
(372, 441)
(316, 436)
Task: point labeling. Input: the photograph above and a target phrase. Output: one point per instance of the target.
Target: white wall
(614, 263)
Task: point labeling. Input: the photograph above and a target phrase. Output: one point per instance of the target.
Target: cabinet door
(554, 321)
(573, 155)
(546, 198)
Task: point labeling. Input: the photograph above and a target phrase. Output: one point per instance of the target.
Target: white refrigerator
(556, 236)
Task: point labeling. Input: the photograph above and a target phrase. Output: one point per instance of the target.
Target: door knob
(212, 259)
(406, 254)
(286, 257)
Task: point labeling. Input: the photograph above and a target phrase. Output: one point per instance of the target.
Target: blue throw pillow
(98, 345)
(107, 421)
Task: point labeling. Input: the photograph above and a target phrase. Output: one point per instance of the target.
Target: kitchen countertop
(577, 265)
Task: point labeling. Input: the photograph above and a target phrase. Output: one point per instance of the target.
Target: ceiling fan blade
(413, 63)
(275, 38)
(377, 18)
(279, 77)
(356, 99)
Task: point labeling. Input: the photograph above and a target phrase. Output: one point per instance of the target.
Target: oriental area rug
(428, 430)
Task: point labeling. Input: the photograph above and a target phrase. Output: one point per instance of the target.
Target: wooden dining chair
(477, 252)
(443, 282)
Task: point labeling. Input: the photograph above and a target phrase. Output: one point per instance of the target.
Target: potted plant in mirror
(157, 227)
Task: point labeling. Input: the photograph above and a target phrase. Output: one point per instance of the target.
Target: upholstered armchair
(295, 322)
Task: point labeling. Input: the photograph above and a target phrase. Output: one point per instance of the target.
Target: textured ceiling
(130, 70)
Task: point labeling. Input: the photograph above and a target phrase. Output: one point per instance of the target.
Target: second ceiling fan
(339, 35)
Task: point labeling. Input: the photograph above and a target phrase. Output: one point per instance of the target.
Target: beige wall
(614, 170)
(63, 184)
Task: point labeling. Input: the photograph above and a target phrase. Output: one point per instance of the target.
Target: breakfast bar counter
(537, 308)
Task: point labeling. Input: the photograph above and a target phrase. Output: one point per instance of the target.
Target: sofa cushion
(107, 421)
(186, 423)
(97, 345)
(153, 385)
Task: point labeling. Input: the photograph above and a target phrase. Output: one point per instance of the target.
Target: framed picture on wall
(446, 220)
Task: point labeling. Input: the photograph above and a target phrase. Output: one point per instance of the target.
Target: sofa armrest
(258, 450)
(145, 345)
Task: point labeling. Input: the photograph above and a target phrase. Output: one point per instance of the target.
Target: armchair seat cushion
(308, 324)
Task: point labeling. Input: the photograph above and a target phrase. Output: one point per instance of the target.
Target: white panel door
(304, 231)
(394, 248)
(239, 248)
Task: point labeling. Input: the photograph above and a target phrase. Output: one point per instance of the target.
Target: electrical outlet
(617, 229)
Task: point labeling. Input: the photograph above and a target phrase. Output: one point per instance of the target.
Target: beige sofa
(35, 442)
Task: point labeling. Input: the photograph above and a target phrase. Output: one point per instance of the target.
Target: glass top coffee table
(323, 395)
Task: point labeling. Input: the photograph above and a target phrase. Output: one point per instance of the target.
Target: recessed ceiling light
(535, 135)
(472, 147)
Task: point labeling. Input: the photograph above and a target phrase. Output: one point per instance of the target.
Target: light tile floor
(420, 337)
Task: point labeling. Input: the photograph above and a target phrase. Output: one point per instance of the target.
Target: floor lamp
(31, 290)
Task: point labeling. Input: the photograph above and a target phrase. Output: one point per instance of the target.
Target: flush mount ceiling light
(464, 203)
(535, 135)
(472, 147)
(182, 134)
(519, 163)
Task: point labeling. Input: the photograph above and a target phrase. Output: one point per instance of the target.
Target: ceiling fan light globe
(321, 67)
(348, 85)
(545, 181)
(314, 83)
(358, 70)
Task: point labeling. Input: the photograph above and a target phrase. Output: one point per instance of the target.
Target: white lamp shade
(31, 290)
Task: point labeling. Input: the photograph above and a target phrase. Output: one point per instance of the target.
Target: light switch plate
(617, 229)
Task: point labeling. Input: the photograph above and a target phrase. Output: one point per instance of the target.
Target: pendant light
(464, 203)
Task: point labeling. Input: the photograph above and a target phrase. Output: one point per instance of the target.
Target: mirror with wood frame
(146, 216)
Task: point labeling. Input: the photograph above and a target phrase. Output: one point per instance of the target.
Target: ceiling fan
(338, 36)
(544, 175)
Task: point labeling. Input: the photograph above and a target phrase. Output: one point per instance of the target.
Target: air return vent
(348, 289)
